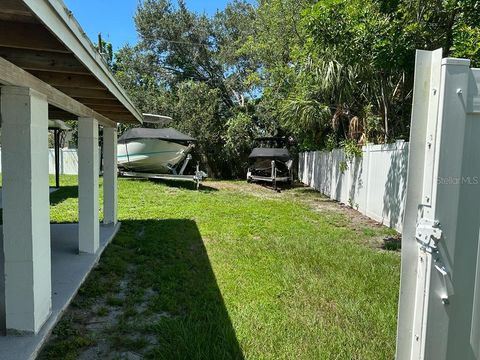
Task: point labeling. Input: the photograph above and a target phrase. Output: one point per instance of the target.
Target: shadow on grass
(176, 266)
(188, 185)
(171, 296)
(281, 186)
(179, 184)
(63, 193)
(56, 197)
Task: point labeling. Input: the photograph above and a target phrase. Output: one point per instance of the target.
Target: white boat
(157, 151)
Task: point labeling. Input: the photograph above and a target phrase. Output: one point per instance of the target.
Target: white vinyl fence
(68, 161)
(374, 184)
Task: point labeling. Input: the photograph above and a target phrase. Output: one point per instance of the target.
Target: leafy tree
(335, 69)
(328, 72)
(195, 111)
(195, 47)
(105, 49)
(187, 66)
(240, 133)
(146, 84)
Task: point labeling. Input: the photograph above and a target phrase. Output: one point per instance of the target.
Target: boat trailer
(273, 178)
(197, 178)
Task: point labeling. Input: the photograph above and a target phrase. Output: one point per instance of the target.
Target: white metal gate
(439, 311)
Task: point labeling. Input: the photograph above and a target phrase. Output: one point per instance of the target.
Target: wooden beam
(5, 16)
(56, 17)
(43, 61)
(103, 102)
(17, 11)
(118, 117)
(111, 109)
(58, 114)
(86, 93)
(29, 36)
(14, 7)
(68, 80)
(13, 75)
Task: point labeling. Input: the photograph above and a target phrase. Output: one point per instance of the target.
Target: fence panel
(68, 161)
(374, 184)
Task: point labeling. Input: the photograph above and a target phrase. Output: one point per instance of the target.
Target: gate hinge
(428, 234)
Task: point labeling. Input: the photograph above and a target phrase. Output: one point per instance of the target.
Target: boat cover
(270, 153)
(168, 134)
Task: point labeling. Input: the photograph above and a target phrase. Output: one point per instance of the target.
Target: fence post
(62, 161)
(367, 175)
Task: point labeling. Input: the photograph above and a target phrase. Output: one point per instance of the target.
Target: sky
(114, 18)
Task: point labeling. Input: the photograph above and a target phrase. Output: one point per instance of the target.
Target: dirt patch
(263, 191)
(371, 232)
(114, 326)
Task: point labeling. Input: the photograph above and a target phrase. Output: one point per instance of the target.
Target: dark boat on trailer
(270, 161)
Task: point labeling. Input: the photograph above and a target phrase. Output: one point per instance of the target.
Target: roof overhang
(42, 46)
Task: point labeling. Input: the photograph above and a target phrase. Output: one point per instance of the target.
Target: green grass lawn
(233, 271)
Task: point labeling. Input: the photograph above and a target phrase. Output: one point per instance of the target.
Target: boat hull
(151, 155)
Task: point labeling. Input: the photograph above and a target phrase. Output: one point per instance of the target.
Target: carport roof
(43, 39)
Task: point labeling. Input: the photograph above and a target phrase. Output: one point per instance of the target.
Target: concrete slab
(69, 271)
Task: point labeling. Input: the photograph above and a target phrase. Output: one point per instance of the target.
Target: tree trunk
(385, 107)
(449, 36)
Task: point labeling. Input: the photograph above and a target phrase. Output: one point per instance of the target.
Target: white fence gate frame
(440, 291)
